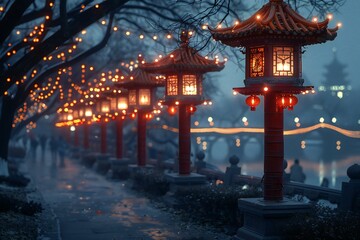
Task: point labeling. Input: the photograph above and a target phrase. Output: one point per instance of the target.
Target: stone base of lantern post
(185, 180)
(134, 168)
(266, 220)
(178, 182)
(181, 182)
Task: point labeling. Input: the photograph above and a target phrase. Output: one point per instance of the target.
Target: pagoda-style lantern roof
(139, 78)
(141, 86)
(275, 20)
(183, 69)
(183, 59)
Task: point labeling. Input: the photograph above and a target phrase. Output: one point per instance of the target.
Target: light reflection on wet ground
(90, 207)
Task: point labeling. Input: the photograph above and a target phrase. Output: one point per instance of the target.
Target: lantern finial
(140, 58)
(184, 38)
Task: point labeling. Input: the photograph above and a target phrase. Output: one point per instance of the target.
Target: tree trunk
(6, 119)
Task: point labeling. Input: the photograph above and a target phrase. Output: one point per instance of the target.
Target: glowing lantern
(183, 70)
(141, 88)
(148, 116)
(292, 101)
(64, 116)
(75, 113)
(122, 103)
(133, 115)
(286, 101)
(272, 40)
(103, 105)
(70, 117)
(192, 109)
(88, 111)
(252, 101)
(172, 110)
(118, 101)
(144, 97)
(81, 112)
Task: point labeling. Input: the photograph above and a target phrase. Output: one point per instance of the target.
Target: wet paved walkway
(91, 207)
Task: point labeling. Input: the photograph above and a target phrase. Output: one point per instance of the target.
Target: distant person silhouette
(325, 182)
(33, 146)
(62, 150)
(53, 143)
(296, 172)
(43, 141)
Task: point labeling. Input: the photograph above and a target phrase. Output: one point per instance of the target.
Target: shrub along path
(88, 206)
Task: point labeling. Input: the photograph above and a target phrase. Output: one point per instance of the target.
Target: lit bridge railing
(345, 132)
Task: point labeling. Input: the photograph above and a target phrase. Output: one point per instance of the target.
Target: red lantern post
(118, 106)
(183, 69)
(103, 108)
(273, 38)
(86, 136)
(141, 97)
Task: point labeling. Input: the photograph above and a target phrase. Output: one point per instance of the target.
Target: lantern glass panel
(76, 114)
(283, 61)
(257, 62)
(105, 106)
(70, 117)
(63, 116)
(144, 97)
(132, 97)
(189, 85)
(113, 103)
(122, 103)
(172, 85)
(88, 112)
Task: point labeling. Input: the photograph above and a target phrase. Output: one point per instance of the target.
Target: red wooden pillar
(274, 149)
(67, 135)
(86, 136)
(103, 137)
(119, 138)
(76, 137)
(141, 128)
(184, 140)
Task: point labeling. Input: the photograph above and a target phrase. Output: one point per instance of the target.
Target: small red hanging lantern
(292, 101)
(172, 110)
(252, 101)
(148, 116)
(287, 101)
(192, 109)
(133, 115)
(282, 101)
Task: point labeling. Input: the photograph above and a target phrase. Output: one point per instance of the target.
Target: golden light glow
(122, 103)
(189, 85)
(144, 96)
(283, 61)
(345, 132)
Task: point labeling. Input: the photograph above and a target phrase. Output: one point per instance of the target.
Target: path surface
(90, 207)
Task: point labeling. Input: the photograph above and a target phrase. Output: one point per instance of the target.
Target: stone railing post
(232, 171)
(350, 191)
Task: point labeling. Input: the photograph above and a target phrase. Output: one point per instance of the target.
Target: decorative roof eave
(139, 78)
(116, 93)
(302, 39)
(275, 19)
(183, 59)
(183, 67)
(259, 89)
